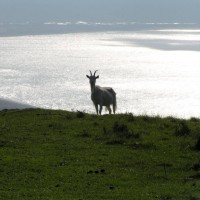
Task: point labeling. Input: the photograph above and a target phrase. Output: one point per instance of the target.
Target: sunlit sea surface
(154, 72)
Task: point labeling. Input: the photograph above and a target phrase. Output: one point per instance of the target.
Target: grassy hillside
(47, 154)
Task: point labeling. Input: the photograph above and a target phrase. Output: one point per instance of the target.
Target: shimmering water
(152, 71)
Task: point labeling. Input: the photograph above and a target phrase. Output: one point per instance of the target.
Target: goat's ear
(97, 77)
(87, 76)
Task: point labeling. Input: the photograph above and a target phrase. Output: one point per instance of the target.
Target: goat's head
(92, 78)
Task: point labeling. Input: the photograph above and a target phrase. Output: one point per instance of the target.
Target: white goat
(102, 96)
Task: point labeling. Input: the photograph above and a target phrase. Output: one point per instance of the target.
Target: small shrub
(136, 135)
(146, 118)
(55, 125)
(84, 134)
(115, 142)
(105, 131)
(197, 146)
(80, 114)
(172, 119)
(194, 198)
(121, 130)
(182, 129)
(196, 167)
(95, 124)
(68, 117)
(3, 143)
(144, 146)
(194, 119)
(195, 177)
(165, 125)
(130, 117)
(167, 197)
(120, 127)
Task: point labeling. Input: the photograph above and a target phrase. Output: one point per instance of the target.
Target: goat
(102, 96)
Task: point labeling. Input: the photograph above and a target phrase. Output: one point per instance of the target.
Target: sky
(100, 10)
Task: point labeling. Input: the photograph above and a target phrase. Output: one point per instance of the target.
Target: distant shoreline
(6, 104)
(47, 28)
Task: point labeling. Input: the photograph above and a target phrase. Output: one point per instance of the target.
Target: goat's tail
(114, 103)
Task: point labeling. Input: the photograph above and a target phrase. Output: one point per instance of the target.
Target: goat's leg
(109, 109)
(100, 109)
(114, 109)
(96, 107)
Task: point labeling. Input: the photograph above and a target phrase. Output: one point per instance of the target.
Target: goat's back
(105, 95)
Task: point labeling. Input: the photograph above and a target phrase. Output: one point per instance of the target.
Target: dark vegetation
(47, 154)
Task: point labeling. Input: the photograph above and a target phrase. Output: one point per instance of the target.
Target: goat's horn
(90, 73)
(95, 72)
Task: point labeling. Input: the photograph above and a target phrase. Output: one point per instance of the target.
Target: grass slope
(47, 154)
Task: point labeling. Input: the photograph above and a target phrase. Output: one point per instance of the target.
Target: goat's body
(104, 96)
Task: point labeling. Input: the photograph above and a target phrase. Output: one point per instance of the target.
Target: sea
(153, 67)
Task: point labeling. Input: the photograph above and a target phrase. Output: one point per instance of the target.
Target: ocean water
(154, 71)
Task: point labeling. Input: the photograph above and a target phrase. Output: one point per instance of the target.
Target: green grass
(46, 154)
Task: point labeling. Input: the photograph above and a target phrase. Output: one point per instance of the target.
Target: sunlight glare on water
(152, 72)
